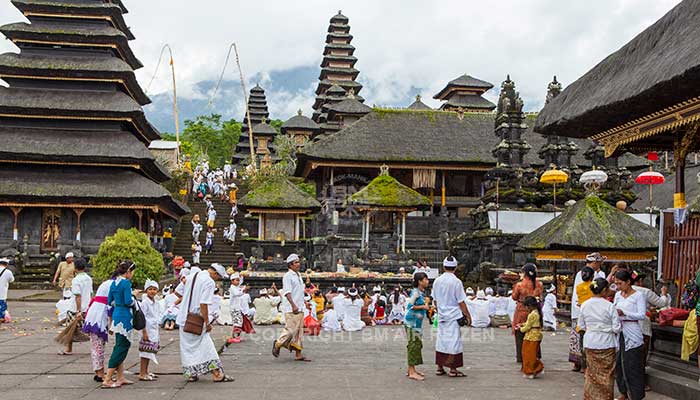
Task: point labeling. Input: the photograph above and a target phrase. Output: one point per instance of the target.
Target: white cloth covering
(448, 293)
(599, 319)
(449, 339)
(97, 317)
(153, 313)
(215, 309)
(266, 310)
(575, 309)
(634, 307)
(201, 293)
(82, 286)
(479, 310)
(499, 305)
(339, 306)
(654, 300)
(548, 317)
(351, 316)
(293, 284)
(244, 303)
(330, 321)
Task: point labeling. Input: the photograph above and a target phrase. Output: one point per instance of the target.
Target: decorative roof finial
(384, 170)
(299, 112)
(553, 90)
(351, 93)
(340, 12)
(418, 97)
(263, 120)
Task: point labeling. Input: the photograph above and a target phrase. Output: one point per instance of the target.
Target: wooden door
(50, 229)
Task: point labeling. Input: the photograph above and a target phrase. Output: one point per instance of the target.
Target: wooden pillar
(442, 198)
(15, 226)
(78, 213)
(261, 227)
(687, 141)
(362, 240)
(679, 195)
(397, 221)
(403, 232)
(140, 215)
(296, 226)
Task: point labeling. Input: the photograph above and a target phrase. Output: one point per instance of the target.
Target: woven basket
(149, 347)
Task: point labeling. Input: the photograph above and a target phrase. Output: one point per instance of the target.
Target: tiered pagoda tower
(338, 65)
(75, 159)
(465, 94)
(557, 151)
(257, 104)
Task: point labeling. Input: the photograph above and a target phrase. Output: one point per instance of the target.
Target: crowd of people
(608, 342)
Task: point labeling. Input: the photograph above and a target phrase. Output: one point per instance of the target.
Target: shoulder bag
(139, 321)
(194, 323)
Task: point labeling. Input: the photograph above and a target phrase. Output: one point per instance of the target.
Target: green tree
(128, 244)
(210, 137)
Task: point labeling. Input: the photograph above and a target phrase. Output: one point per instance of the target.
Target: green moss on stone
(385, 191)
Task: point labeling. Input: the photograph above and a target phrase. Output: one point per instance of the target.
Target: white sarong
(449, 339)
(198, 354)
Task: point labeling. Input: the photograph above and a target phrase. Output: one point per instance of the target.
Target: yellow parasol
(552, 177)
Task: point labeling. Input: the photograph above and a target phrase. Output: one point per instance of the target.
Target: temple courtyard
(363, 365)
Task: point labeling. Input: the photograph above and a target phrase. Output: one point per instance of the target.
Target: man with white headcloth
(450, 299)
(479, 308)
(197, 351)
(352, 310)
(293, 309)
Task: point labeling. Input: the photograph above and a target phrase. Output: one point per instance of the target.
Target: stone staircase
(222, 252)
(36, 273)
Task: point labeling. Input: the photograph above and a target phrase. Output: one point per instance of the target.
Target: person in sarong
(416, 312)
(292, 307)
(500, 317)
(450, 300)
(96, 326)
(549, 308)
(149, 338)
(6, 277)
(398, 307)
(81, 288)
(529, 286)
(330, 321)
(631, 307)
(479, 310)
(197, 352)
(311, 325)
(532, 328)
(595, 262)
(236, 304)
(599, 319)
(583, 294)
(121, 300)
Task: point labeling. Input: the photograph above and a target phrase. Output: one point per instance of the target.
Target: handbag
(194, 323)
(139, 319)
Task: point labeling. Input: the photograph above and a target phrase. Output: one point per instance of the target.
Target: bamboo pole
(247, 110)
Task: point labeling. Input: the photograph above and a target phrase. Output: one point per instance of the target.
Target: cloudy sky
(404, 47)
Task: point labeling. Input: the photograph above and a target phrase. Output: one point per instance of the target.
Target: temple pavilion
(75, 157)
(257, 107)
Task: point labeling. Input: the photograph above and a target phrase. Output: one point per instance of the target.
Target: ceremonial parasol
(592, 180)
(650, 178)
(554, 176)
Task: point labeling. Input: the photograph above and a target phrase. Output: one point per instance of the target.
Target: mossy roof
(592, 224)
(278, 193)
(385, 191)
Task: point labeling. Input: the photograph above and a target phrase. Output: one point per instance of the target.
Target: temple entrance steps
(222, 252)
(36, 273)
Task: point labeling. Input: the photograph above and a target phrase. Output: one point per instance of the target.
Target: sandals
(193, 379)
(456, 374)
(147, 378)
(64, 353)
(304, 359)
(97, 379)
(440, 372)
(113, 385)
(226, 378)
(275, 350)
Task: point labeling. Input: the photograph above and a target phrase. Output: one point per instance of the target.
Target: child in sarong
(149, 342)
(532, 365)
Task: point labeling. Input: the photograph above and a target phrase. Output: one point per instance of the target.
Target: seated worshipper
(479, 310)
(149, 338)
(339, 303)
(311, 325)
(470, 296)
(197, 351)
(500, 317)
(319, 302)
(379, 317)
(366, 301)
(549, 308)
(376, 292)
(352, 310)
(330, 321)
(398, 307)
(266, 308)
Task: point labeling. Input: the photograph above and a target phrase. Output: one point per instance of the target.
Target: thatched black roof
(54, 32)
(418, 105)
(71, 185)
(338, 46)
(659, 68)
(97, 9)
(356, 86)
(301, 123)
(351, 72)
(331, 58)
(339, 18)
(92, 104)
(278, 193)
(468, 101)
(427, 136)
(80, 147)
(464, 81)
(592, 224)
(348, 106)
(73, 67)
(264, 129)
(338, 35)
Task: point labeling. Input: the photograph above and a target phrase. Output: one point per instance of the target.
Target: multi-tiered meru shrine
(75, 159)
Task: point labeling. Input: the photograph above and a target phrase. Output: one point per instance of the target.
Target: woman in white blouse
(598, 317)
(631, 306)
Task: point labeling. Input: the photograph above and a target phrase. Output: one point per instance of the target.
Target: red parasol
(650, 178)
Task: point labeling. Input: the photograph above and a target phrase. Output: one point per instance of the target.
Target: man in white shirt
(293, 309)
(479, 310)
(450, 299)
(6, 278)
(197, 352)
(82, 287)
(595, 261)
(339, 304)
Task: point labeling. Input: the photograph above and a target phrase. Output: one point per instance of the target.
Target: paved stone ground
(362, 365)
